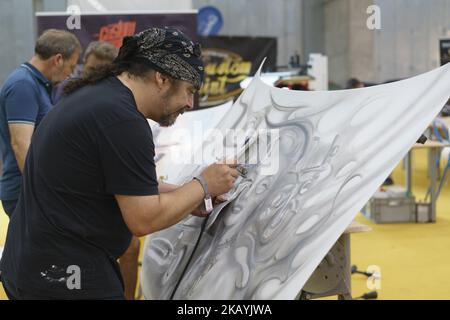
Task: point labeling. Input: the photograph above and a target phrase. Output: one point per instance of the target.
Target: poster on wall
(209, 21)
(445, 51)
(112, 27)
(228, 61)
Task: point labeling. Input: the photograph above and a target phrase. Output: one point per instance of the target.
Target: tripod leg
(444, 176)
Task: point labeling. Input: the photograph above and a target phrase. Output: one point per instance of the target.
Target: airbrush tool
(244, 166)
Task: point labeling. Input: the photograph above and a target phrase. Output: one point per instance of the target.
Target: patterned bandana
(167, 50)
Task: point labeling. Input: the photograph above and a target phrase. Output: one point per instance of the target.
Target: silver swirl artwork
(334, 148)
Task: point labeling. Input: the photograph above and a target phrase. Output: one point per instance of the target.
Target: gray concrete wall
(17, 30)
(361, 48)
(16, 34)
(313, 27)
(408, 42)
(281, 19)
(349, 44)
(337, 39)
(406, 45)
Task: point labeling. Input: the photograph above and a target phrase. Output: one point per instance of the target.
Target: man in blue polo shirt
(25, 98)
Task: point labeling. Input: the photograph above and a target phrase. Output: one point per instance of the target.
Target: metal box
(391, 207)
(423, 212)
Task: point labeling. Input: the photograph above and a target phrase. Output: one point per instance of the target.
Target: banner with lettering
(444, 49)
(228, 61)
(113, 27)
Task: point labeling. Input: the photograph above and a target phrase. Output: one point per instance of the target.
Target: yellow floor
(414, 259)
(3, 228)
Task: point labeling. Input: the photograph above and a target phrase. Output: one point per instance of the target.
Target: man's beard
(169, 119)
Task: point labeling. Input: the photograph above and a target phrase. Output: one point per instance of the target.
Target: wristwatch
(207, 200)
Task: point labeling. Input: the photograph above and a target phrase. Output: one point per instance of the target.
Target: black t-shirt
(92, 145)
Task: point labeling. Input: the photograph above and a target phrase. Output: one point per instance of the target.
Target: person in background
(445, 112)
(354, 83)
(97, 53)
(25, 99)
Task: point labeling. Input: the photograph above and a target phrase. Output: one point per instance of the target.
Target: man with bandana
(89, 180)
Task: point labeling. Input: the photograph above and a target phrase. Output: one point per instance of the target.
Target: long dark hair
(99, 73)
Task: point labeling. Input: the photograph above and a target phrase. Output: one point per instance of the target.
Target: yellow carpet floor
(414, 259)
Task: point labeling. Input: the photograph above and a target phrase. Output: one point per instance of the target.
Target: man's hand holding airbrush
(220, 178)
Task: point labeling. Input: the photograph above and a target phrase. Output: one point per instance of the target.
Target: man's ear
(162, 80)
(58, 60)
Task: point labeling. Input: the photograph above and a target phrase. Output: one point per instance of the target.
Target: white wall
(131, 5)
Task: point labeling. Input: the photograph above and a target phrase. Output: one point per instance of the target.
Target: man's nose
(190, 102)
